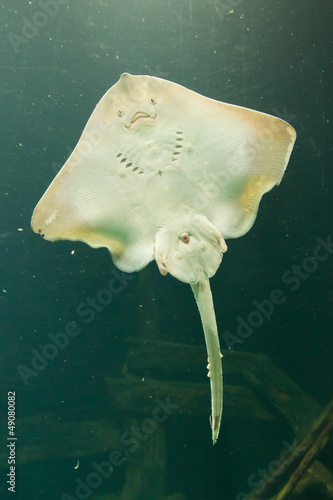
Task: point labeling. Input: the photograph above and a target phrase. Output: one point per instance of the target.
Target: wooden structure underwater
(260, 390)
(139, 396)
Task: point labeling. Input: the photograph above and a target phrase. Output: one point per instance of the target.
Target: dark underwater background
(272, 56)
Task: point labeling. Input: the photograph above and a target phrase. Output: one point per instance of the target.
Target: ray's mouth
(138, 116)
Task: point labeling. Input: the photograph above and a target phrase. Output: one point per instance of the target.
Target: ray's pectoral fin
(191, 249)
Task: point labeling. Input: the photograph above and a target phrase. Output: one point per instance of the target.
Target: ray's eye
(153, 100)
(120, 114)
(185, 238)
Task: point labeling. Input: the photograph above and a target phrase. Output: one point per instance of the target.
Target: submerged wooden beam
(133, 395)
(62, 439)
(310, 446)
(146, 464)
(293, 469)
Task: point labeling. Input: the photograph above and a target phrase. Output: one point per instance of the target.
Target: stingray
(161, 172)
